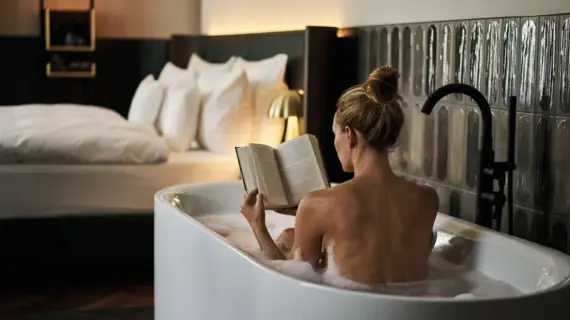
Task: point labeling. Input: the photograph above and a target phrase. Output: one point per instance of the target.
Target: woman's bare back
(378, 232)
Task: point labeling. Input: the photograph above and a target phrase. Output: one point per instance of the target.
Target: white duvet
(75, 134)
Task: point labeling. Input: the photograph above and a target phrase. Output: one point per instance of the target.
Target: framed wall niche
(70, 41)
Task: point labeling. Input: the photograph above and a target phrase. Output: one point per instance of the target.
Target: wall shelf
(70, 42)
(70, 49)
(70, 73)
(66, 30)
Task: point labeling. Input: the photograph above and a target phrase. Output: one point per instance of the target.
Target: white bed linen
(28, 191)
(75, 134)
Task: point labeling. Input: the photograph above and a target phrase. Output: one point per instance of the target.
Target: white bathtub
(199, 276)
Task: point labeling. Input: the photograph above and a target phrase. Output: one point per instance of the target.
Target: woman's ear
(351, 136)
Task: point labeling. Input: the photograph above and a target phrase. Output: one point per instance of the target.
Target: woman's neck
(372, 162)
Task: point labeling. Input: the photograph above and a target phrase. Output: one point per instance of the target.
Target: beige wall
(239, 16)
(115, 18)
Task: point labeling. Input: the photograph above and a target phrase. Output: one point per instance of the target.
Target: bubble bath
(445, 279)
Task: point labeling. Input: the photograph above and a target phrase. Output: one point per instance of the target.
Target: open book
(283, 174)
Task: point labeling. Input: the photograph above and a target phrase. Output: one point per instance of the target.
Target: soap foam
(445, 279)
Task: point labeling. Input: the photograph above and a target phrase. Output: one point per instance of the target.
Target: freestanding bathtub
(199, 276)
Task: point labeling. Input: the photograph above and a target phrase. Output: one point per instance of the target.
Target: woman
(375, 228)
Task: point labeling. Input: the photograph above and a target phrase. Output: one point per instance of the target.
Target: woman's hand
(252, 208)
(287, 211)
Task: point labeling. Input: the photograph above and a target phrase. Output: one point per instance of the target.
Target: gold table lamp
(288, 106)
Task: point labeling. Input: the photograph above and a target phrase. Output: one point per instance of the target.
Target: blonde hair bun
(374, 109)
(382, 85)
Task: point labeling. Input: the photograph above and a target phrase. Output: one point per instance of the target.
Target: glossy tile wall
(528, 57)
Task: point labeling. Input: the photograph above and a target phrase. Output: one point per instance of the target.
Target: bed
(86, 160)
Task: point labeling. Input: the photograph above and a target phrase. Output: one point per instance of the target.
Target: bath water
(445, 278)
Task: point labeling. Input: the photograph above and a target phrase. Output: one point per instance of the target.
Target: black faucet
(489, 202)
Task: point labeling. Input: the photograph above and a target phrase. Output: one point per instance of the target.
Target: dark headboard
(320, 63)
(248, 46)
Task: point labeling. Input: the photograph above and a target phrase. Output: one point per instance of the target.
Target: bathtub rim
(161, 197)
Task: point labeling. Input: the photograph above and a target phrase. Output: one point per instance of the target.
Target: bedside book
(283, 174)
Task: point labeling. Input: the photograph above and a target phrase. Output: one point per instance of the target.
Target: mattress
(29, 191)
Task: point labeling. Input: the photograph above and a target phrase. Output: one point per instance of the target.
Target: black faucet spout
(486, 176)
(480, 100)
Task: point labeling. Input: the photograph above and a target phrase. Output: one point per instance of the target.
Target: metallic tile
(476, 66)
(373, 58)
(528, 59)
(493, 59)
(442, 142)
(501, 134)
(383, 48)
(499, 137)
(468, 205)
(443, 194)
(431, 61)
(460, 54)
(406, 61)
(542, 165)
(523, 177)
(521, 227)
(546, 62)
(457, 145)
(364, 53)
(510, 54)
(395, 48)
(527, 224)
(559, 234)
(455, 203)
(538, 230)
(416, 138)
(446, 54)
(472, 157)
(402, 152)
(419, 57)
(428, 145)
(561, 167)
(564, 100)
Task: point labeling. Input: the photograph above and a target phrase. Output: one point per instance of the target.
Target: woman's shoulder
(427, 197)
(324, 199)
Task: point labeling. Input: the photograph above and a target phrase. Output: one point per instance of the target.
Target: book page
(300, 168)
(269, 176)
(247, 168)
(317, 151)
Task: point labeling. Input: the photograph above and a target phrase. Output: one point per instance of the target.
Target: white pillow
(201, 66)
(263, 72)
(178, 121)
(146, 102)
(267, 78)
(207, 82)
(173, 75)
(227, 114)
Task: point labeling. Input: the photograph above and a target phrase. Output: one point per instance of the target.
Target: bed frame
(81, 248)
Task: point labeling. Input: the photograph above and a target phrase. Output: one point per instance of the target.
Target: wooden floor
(84, 298)
(77, 268)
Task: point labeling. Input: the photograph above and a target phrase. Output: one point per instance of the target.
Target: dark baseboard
(121, 65)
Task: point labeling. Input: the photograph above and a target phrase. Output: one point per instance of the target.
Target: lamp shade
(288, 104)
